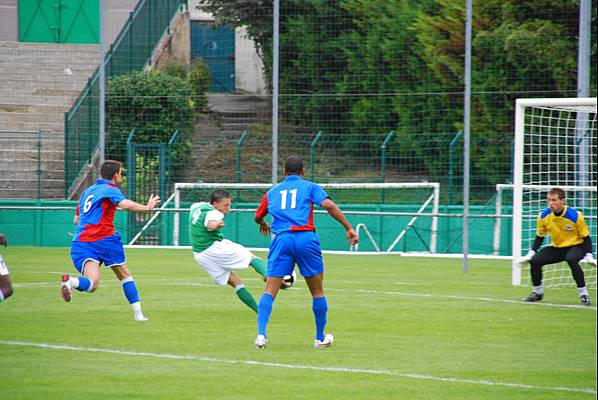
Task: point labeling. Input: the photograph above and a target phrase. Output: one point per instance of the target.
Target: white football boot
(260, 342)
(327, 342)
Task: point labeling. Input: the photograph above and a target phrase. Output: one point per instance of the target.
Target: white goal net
(555, 146)
(389, 217)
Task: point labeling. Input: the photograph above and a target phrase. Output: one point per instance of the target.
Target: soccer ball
(288, 280)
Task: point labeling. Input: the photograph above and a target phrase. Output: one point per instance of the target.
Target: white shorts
(3, 267)
(221, 258)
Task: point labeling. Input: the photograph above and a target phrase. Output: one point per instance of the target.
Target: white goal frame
(518, 170)
(434, 198)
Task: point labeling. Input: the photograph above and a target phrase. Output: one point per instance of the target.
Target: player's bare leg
(88, 282)
(130, 290)
(5, 287)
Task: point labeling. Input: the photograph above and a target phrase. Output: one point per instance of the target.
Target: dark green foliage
(175, 68)
(155, 104)
(199, 79)
(366, 67)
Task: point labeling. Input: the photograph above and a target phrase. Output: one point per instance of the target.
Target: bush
(155, 104)
(175, 68)
(200, 79)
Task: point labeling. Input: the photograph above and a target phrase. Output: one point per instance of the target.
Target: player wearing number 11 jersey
(294, 241)
(96, 242)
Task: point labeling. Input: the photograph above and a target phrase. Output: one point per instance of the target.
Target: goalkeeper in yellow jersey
(571, 242)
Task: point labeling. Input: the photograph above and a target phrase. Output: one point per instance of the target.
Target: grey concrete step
(63, 99)
(30, 191)
(52, 47)
(56, 68)
(51, 127)
(54, 159)
(55, 116)
(28, 84)
(41, 77)
(50, 178)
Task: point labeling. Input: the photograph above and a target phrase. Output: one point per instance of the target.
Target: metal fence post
(451, 165)
(238, 172)
(89, 115)
(67, 174)
(383, 146)
(39, 164)
(130, 165)
(130, 26)
(169, 158)
(450, 199)
(312, 155)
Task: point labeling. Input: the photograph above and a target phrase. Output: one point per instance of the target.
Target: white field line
(186, 282)
(300, 366)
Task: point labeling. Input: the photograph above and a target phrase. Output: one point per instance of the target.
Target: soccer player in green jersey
(218, 256)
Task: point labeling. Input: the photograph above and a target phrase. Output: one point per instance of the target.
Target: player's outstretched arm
(526, 258)
(130, 205)
(338, 215)
(264, 227)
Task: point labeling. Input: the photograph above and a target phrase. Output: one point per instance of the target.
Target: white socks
(137, 313)
(538, 289)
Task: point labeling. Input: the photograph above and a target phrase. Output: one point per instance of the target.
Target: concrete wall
(9, 20)
(177, 46)
(116, 12)
(249, 68)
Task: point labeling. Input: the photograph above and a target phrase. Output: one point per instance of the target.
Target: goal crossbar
(434, 198)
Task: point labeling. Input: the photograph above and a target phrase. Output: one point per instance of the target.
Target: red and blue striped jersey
(96, 210)
(291, 204)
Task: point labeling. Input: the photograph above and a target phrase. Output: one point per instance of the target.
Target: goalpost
(352, 193)
(555, 146)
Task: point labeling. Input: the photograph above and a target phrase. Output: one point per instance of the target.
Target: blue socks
(84, 284)
(264, 310)
(320, 308)
(130, 290)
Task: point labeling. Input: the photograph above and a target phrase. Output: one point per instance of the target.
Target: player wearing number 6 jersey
(294, 241)
(96, 242)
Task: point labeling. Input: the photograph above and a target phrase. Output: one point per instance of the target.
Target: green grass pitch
(405, 328)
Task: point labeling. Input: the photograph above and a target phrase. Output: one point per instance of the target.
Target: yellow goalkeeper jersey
(565, 230)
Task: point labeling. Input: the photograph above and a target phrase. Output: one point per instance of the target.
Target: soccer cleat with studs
(533, 297)
(327, 342)
(585, 300)
(260, 342)
(66, 287)
(138, 316)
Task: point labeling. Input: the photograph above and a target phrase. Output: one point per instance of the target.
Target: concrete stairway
(238, 112)
(38, 83)
(218, 131)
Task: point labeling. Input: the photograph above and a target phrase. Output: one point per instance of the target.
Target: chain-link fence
(369, 91)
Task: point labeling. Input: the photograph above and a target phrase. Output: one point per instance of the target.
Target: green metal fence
(150, 169)
(130, 51)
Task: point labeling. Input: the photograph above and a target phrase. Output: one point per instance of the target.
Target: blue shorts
(108, 251)
(288, 248)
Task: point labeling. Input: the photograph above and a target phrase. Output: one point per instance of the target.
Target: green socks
(246, 297)
(259, 265)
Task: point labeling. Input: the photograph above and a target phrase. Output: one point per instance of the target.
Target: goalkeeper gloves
(588, 259)
(527, 258)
